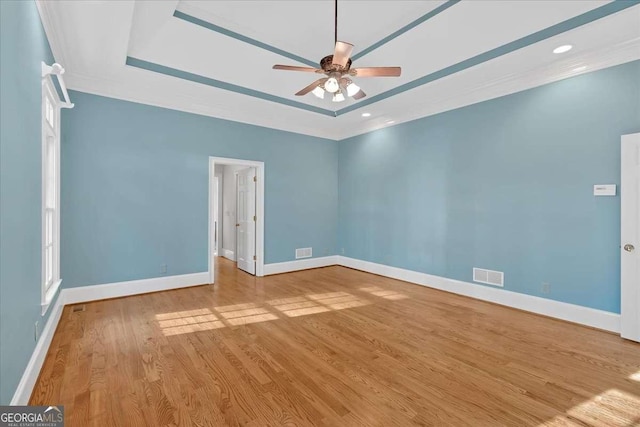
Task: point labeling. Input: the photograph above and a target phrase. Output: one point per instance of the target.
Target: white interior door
(630, 247)
(216, 216)
(246, 220)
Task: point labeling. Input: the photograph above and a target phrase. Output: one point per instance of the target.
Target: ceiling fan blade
(377, 72)
(311, 87)
(342, 53)
(359, 95)
(296, 68)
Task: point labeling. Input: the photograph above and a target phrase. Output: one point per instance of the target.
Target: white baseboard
(300, 264)
(31, 372)
(228, 254)
(560, 310)
(86, 294)
(133, 287)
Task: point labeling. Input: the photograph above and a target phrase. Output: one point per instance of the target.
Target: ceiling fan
(337, 68)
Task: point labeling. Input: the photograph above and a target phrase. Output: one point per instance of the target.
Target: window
(50, 193)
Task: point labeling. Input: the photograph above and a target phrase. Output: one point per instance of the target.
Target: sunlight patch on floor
(317, 303)
(179, 314)
(204, 319)
(296, 305)
(613, 408)
(225, 308)
(384, 293)
(306, 311)
(190, 320)
(328, 295)
(243, 313)
(255, 318)
(184, 322)
(196, 327)
(635, 377)
(347, 304)
(290, 300)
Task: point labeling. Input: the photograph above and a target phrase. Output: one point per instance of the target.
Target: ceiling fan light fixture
(352, 89)
(319, 92)
(331, 85)
(337, 69)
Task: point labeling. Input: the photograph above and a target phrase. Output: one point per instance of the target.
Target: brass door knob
(237, 225)
(629, 247)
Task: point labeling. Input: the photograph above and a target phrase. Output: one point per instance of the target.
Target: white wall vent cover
(489, 277)
(304, 253)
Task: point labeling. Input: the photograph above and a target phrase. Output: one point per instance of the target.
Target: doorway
(630, 237)
(236, 208)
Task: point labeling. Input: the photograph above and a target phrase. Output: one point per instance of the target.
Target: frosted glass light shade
(338, 97)
(352, 89)
(331, 85)
(319, 92)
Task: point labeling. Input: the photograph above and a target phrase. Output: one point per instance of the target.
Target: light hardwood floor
(332, 346)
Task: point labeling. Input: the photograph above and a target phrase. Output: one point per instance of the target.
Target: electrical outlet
(163, 268)
(546, 288)
(342, 250)
(35, 331)
(326, 251)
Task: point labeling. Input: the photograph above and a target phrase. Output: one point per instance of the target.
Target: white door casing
(260, 196)
(246, 220)
(630, 237)
(216, 215)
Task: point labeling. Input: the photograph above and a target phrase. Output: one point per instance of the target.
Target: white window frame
(50, 282)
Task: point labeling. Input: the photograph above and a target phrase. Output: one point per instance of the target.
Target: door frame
(259, 210)
(237, 229)
(629, 292)
(216, 216)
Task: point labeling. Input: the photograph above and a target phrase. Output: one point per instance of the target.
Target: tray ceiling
(215, 58)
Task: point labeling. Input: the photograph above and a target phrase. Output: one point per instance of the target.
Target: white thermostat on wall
(604, 190)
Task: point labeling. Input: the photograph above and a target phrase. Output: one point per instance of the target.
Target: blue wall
(505, 184)
(20, 187)
(135, 192)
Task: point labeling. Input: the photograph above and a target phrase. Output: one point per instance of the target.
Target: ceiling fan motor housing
(327, 65)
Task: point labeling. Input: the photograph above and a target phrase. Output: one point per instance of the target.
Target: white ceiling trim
(148, 19)
(597, 60)
(152, 93)
(149, 95)
(50, 24)
(164, 91)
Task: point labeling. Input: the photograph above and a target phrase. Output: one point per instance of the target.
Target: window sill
(51, 293)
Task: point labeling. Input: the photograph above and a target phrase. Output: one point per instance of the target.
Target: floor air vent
(489, 277)
(303, 253)
(78, 308)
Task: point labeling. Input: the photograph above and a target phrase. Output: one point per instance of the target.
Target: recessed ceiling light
(581, 68)
(391, 121)
(366, 114)
(562, 49)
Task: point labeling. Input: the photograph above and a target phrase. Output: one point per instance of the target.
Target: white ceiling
(92, 40)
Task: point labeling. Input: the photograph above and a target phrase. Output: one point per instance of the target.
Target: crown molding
(51, 23)
(596, 60)
(334, 128)
(149, 95)
(506, 85)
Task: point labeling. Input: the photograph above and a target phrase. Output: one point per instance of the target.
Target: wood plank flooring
(332, 347)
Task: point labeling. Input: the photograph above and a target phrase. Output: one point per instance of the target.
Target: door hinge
(254, 218)
(255, 179)
(254, 258)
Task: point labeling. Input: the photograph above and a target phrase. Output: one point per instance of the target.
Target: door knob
(629, 247)
(237, 225)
